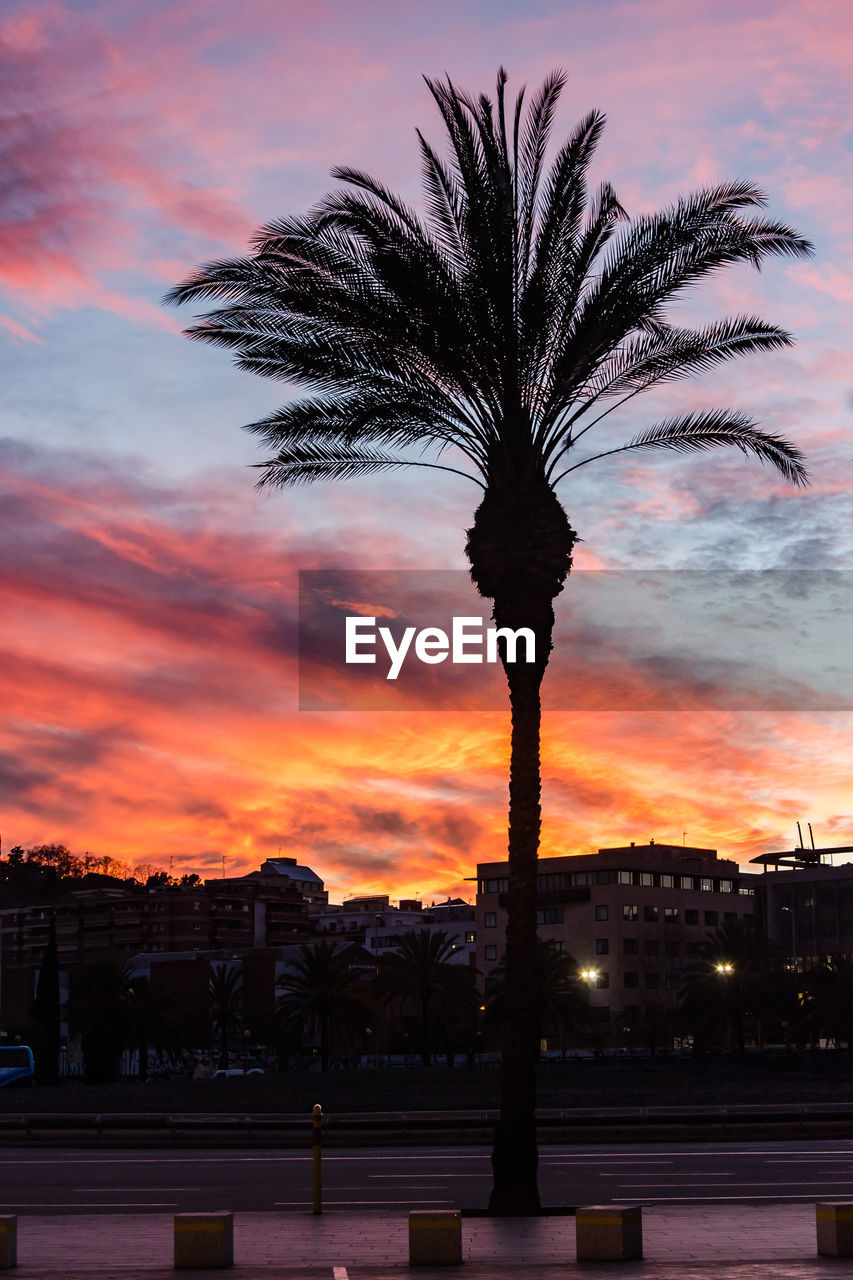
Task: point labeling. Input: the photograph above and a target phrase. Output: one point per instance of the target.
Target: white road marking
(94, 1204)
(700, 1199)
(339, 1273)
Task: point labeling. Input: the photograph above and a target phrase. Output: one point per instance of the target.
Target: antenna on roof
(800, 832)
(811, 834)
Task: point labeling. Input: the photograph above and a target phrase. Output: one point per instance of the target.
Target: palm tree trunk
(515, 1156)
(520, 550)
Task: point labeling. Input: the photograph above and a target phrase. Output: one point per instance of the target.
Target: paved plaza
(728, 1243)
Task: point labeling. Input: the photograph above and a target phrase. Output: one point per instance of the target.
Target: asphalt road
(61, 1181)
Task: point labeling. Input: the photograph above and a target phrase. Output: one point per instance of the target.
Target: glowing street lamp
(725, 969)
(589, 975)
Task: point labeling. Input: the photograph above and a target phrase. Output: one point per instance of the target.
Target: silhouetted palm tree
(225, 999)
(419, 974)
(498, 328)
(321, 995)
(156, 1020)
(730, 979)
(561, 1000)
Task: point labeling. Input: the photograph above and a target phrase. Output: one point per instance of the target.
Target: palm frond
(694, 432)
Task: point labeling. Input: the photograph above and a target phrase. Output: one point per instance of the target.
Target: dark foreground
(716, 1081)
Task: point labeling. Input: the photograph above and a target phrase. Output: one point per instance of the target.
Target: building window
(603, 981)
(496, 886)
(197, 924)
(670, 915)
(729, 917)
(549, 915)
(631, 980)
(726, 886)
(646, 878)
(490, 953)
(651, 947)
(601, 911)
(629, 946)
(687, 882)
(672, 948)
(554, 945)
(712, 917)
(650, 915)
(707, 885)
(652, 981)
(602, 877)
(667, 881)
(746, 889)
(691, 916)
(630, 913)
(602, 946)
(196, 906)
(490, 920)
(470, 935)
(625, 877)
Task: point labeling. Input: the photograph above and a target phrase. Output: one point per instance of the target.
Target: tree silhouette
(420, 974)
(46, 1011)
(561, 999)
(100, 1014)
(225, 1000)
(497, 329)
(729, 980)
(321, 995)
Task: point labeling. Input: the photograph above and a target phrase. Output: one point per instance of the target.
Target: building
(628, 916)
(241, 914)
(806, 905)
(378, 924)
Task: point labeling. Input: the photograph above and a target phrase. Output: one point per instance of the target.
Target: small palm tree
(321, 996)
(156, 1020)
(420, 974)
(497, 330)
(225, 999)
(729, 980)
(562, 999)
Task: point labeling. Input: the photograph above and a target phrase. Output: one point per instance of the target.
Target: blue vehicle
(17, 1066)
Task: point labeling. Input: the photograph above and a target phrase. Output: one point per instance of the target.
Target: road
(37, 1180)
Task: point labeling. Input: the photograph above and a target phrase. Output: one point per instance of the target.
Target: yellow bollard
(8, 1241)
(835, 1228)
(317, 1120)
(609, 1233)
(435, 1237)
(204, 1240)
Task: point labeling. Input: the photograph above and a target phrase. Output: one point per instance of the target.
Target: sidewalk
(731, 1243)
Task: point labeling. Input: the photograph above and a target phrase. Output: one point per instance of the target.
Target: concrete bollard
(204, 1240)
(8, 1241)
(835, 1228)
(435, 1237)
(609, 1233)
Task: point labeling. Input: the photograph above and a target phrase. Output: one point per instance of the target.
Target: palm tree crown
(421, 973)
(487, 337)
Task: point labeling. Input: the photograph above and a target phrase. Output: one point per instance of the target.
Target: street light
(589, 975)
(724, 968)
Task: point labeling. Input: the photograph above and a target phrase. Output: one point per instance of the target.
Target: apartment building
(628, 916)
